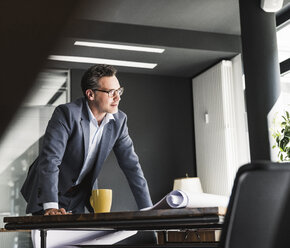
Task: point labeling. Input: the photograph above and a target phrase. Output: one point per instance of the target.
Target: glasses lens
(111, 93)
(120, 91)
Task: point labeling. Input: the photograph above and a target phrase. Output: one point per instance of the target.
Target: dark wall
(160, 121)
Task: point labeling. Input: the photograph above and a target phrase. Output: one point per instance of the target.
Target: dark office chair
(258, 214)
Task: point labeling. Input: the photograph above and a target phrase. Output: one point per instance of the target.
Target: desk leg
(43, 234)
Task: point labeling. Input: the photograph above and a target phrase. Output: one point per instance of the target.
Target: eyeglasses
(112, 93)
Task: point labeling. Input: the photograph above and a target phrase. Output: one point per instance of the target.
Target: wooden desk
(165, 219)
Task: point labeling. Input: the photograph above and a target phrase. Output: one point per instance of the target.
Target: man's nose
(117, 96)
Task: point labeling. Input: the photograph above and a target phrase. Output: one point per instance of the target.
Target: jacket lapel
(85, 125)
(103, 148)
(104, 143)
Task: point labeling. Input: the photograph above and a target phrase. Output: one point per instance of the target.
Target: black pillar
(262, 75)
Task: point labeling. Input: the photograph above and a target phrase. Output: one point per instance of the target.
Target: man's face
(102, 102)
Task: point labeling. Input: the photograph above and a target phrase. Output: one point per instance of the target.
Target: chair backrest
(258, 214)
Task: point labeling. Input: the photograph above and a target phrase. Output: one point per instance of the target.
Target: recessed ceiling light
(102, 61)
(120, 47)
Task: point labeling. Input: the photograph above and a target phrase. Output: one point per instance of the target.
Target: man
(78, 139)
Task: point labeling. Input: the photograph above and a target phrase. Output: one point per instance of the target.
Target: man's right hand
(55, 211)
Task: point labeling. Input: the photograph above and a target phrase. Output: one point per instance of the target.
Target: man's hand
(55, 211)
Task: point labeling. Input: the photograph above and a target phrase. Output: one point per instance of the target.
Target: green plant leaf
(281, 150)
(287, 133)
(288, 153)
(283, 143)
(287, 129)
(281, 157)
(287, 114)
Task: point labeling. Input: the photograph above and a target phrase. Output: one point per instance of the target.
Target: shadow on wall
(24, 46)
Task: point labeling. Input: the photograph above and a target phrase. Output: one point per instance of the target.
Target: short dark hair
(91, 77)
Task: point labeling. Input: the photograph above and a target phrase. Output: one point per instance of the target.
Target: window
(283, 103)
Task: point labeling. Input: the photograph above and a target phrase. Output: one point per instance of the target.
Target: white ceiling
(195, 34)
(219, 16)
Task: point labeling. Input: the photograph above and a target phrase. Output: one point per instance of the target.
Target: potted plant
(282, 138)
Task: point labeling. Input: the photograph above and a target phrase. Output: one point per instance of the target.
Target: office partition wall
(221, 136)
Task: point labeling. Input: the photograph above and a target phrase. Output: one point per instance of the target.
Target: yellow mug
(101, 200)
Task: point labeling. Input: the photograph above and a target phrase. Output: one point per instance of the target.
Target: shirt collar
(92, 118)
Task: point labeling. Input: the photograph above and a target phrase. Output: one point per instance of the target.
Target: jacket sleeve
(129, 163)
(54, 145)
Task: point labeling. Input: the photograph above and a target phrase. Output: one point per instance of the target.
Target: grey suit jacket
(65, 147)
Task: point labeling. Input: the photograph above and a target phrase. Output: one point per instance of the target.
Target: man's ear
(90, 94)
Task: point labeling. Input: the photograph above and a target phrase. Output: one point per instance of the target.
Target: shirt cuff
(48, 205)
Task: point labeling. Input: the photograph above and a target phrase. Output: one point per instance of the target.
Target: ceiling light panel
(90, 60)
(119, 47)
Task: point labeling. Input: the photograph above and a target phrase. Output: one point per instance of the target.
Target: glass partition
(19, 146)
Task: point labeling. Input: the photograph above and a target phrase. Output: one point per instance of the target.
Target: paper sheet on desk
(110, 239)
(72, 238)
(183, 199)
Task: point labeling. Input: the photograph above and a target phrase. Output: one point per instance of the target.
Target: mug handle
(92, 201)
